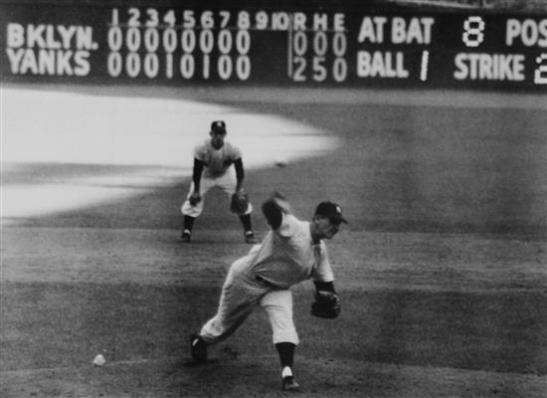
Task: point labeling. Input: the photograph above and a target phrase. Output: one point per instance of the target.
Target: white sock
(286, 372)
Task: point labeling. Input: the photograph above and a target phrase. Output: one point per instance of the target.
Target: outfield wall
(286, 44)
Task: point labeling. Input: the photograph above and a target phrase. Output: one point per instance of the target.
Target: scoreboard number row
(275, 46)
(169, 40)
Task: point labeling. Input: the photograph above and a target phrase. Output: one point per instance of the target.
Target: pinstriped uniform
(263, 278)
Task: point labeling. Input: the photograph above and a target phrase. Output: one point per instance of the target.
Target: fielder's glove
(326, 304)
(194, 199)
(239, 202)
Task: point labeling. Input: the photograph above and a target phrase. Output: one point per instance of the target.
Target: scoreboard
(190, 45)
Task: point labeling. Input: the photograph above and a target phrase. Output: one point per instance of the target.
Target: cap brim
(338, 220)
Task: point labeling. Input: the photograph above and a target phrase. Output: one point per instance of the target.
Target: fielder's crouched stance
(212, 161)
(291, 252)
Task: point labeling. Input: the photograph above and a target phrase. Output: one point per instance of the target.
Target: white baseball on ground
(99, 360)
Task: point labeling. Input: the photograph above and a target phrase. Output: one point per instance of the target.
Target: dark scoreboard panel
(254, 46)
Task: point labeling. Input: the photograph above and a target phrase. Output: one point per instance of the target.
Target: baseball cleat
(198, 348)
(290, 384)
(250, 237)
(186, 234)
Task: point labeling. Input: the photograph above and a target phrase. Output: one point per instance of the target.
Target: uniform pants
(227, 182)
(240, 295)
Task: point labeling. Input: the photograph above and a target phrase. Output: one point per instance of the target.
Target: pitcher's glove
(194, 199)
(239, 202)
(326, 304)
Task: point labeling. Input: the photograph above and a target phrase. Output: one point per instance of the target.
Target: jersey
(288, 256)
(216, 161)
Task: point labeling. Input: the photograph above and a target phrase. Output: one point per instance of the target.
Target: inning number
(473, 35)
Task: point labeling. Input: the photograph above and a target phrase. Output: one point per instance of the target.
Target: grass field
(442, 269)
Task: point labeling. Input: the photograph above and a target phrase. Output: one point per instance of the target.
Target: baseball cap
(218, 126)
(332, 211)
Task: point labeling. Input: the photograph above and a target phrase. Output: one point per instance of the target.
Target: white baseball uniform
(216, 173)
(263, 277)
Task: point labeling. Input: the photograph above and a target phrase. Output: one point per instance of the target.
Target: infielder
(212, 161)
(292, 251)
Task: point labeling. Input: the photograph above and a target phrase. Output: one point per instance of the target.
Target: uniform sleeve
(199, 153)
(235, 153)
(240, 172)
(275, 209)
(323, 270)
(289, 225)
(196, 173)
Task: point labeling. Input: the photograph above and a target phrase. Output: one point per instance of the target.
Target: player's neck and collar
(218, 147)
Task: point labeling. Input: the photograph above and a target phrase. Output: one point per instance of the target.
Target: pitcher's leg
(235, 304)
(238, 299)
(278, 306)
(234, 307)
